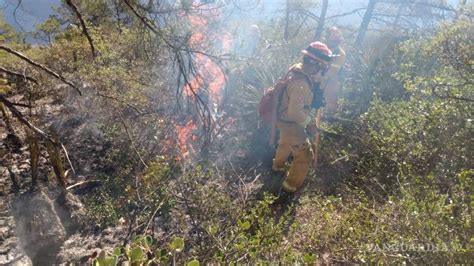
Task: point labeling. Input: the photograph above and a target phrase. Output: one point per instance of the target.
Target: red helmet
(335, 34)
(318, 51)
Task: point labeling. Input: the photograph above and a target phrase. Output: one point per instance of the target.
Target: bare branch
(84, 184)
(66, 154)
(423, 3)
(307, 14)
(23, 120)
(146, 21)
(38, 65)
(121, 101)
(18, 75)
(186, 68)
(347, 13)
(458, 98)
(22, 105)
(20, 2)
(83, 25)
(39, 132)
(133, 143)
(448, 95)
(152, 217)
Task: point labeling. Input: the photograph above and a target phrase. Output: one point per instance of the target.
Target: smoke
(38, 227)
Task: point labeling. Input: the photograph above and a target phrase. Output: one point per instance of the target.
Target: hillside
(130, 133)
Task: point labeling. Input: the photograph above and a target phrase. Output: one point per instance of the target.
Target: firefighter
(332, 79)
(299, 104)
(249, 41)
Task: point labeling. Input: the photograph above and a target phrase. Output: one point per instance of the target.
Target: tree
(365, 23)
(322, 18)
(47, 30)
(287, 20)
(7, 33)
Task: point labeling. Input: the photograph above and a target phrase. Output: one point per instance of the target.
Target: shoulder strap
(291, 75)
(298, 74)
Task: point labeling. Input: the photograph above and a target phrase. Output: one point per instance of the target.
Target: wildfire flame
(209, 76)
(185, 134)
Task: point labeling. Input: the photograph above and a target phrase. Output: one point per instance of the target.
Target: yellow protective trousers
(293, 141)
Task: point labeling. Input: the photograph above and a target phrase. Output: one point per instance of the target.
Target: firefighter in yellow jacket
(299, 104)
(332, 79)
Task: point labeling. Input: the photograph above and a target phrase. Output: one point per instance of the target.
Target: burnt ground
(22, 211)
(10, 253)
(246, 150)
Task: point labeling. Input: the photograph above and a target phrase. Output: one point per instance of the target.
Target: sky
(29, 13)
(32, 12)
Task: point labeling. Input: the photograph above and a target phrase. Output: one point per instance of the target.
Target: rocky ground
(20, 208)
(10, 253)
(14, 164)
(24, 214)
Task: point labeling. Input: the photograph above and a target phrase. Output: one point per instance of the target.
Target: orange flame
(185, 134)
(208, 76)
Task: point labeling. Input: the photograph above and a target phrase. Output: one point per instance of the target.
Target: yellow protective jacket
(331, 81)
(296, 101)
(336, 64)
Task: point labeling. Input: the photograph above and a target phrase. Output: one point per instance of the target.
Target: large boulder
(38, 227)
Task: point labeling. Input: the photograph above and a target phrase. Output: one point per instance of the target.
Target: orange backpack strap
(293, 74)
(298, 74)
(283, 84)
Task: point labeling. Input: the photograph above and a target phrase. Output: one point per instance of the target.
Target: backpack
(271, 100)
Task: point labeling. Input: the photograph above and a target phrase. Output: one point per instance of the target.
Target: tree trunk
(322, 17)
(85, 31)
(365, 23)
(399, 13)
(287, 20)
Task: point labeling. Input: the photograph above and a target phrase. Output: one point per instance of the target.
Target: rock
(3, 232)
(11, 231)
(13, 142)
(77, 249)
(38, 227)
(24, 166)
(71, 212)
(4, 250)
(22, 261)
(8, 245)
